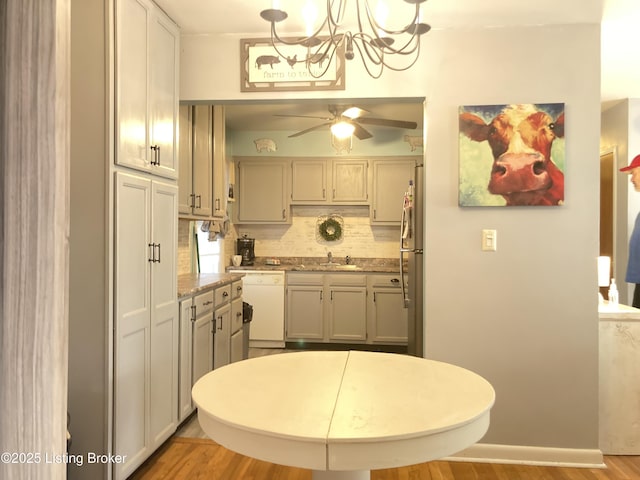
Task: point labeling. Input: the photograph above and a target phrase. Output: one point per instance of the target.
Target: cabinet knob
(225, 294)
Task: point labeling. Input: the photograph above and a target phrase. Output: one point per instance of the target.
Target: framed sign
(263, 69)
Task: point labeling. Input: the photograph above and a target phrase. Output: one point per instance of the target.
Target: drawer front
(304, 278)
(203, 302)
(347, 279)
(385, 281)
(236, 315)
(236, 290)
(222, 295)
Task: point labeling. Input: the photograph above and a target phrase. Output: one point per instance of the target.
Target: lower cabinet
(209, 336)
(346, 311)
(221, 336)
(345, 308)
(305, 307)
(387, 319)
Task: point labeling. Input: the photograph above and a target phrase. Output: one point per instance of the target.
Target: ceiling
(619, 19)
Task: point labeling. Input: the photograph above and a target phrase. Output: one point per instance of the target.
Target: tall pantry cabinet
(146, 328)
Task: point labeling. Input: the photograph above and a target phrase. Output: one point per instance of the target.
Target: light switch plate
(489, 240)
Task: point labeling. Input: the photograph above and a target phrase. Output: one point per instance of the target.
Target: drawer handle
(208, 302)
(395, 281)
(225, 294)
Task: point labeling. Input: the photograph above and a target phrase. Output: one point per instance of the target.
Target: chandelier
(373, 41)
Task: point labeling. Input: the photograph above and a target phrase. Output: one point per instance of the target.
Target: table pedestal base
(341, 475)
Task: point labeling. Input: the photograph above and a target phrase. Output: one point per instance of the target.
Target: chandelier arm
(324, 69)
(366, 66)
(364, 43)
(402, 69)
(342, 5)
(375, 26)
(299, 41)
(403, 50)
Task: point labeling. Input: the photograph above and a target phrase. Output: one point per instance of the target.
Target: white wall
(524, 317)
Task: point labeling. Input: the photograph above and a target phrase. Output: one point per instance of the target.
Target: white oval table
(342, 414)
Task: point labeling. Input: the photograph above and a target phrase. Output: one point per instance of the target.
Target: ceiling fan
(350, 121)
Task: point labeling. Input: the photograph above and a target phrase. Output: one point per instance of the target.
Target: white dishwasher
(264, 290)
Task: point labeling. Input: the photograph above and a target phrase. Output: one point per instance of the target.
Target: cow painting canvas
(511, 155)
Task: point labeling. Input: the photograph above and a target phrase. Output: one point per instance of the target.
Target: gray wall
(525, 317)
(88, 274)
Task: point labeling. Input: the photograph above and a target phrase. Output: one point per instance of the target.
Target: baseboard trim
(523, 455)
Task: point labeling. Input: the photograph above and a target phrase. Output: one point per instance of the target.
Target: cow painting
(519, 141)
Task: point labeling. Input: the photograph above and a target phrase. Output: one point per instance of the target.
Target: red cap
(635, 163)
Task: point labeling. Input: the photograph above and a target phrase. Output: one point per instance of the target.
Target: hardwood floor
(196, 458)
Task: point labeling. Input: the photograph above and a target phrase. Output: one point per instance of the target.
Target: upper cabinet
(220, 190)
(262, 190)
(147, 50)
(390, 180)
(202, 180)
(322, 181)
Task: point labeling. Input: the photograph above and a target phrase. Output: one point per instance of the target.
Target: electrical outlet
(489, 240)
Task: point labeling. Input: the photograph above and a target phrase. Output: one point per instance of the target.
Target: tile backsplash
(300, 239)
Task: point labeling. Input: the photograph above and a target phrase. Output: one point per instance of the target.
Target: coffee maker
(244, 247)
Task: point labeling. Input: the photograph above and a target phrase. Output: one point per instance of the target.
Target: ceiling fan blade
(361, 132)
(317, 127)
(302, 116)
(352, 112)
(383, 122)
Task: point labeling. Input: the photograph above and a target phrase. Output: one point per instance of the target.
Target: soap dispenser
(613, 293)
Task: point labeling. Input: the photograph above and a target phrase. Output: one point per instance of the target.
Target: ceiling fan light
(342, 129)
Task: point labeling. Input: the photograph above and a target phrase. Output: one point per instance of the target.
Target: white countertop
(343, 411)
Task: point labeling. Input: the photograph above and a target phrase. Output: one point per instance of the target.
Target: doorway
(607, 211)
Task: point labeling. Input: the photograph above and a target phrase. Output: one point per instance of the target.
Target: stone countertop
(190, 284)
(617, 312)
(315, 264)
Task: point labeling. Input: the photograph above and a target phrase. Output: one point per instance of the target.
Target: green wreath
(330, 230)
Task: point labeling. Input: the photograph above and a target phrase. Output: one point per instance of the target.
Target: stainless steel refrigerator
(411, 259)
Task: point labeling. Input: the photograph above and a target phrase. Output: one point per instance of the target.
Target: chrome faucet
(347, 260)
(330, 257)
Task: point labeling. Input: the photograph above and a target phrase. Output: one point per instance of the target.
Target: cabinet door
(309, 181)
(185, 142)
(388, 319)
(262, 186)
(236, 315)
(132, 89)
(163, 94)
(305, 312)
(219, 194)
(163, 380)
(202, 346)
(390, 181)
(222, 336)
(347, 313)
(184, 376)
(350, 181)
(236, 346)
(202, 166)
(133, 312)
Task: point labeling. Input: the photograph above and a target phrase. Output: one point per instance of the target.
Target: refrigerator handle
(405, 300)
